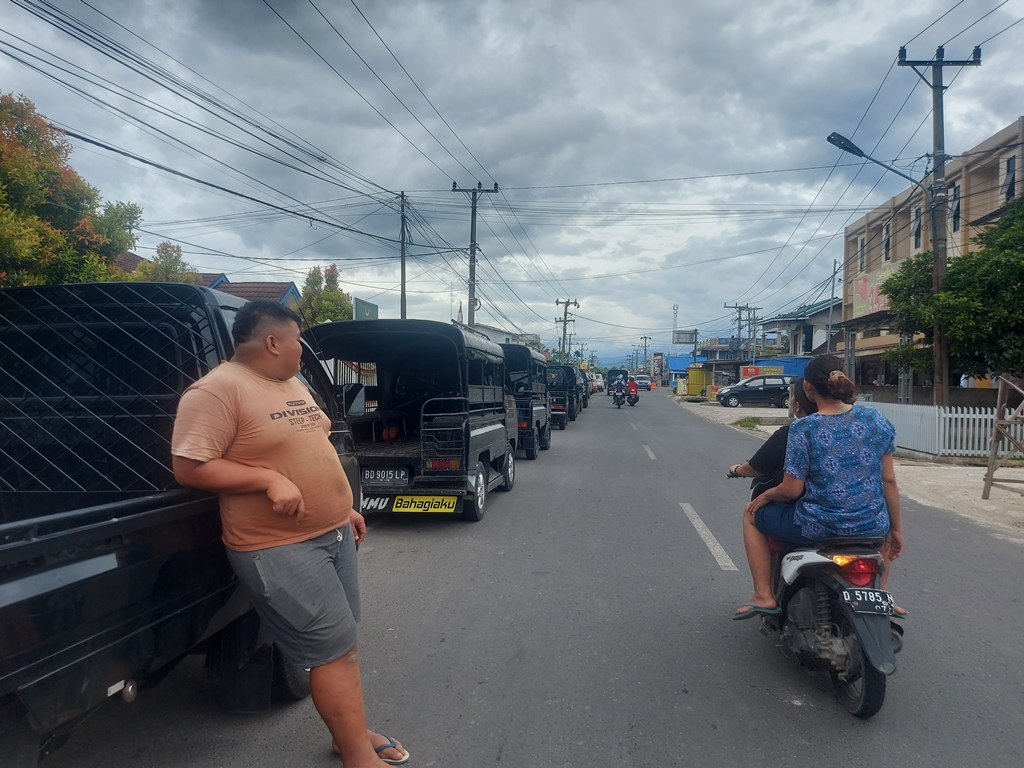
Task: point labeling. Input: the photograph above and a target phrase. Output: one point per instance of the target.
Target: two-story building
(980, 184)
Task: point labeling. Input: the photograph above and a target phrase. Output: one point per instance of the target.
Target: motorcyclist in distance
(619, 385)
(632, 387)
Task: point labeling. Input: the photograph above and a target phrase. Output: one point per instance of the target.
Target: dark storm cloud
(545, 95)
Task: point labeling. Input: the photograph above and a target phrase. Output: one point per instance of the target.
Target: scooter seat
(778, 545)
(850, 541)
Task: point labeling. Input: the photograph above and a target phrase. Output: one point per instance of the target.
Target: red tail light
(860, 572)
(524, 425)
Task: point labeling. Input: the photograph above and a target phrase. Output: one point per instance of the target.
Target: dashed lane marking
(650, 453)
(633, 426)
(717, 551)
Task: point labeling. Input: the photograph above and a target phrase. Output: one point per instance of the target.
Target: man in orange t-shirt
(252, 433)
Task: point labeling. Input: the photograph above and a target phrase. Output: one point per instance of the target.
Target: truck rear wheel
(291, 683)
(508, 469)
(532, 450)
(545, 437)
(473, 506)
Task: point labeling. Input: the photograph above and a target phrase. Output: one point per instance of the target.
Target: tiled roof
(259, 290)
(209, 278)
(128, 261)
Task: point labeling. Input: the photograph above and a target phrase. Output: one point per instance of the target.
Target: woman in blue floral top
(839, 481)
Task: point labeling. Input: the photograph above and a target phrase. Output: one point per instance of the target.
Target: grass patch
(747, 422)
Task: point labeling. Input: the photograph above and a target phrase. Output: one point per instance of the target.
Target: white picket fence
(942, 431)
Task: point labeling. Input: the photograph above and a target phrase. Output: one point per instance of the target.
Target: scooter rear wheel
(863, 693)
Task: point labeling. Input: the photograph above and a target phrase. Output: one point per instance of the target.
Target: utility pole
(474, 194)
(740, 309)
(831, 304)
(402, 239)
(752, 333)
(940, 344)
(565, 324)
(645, 339)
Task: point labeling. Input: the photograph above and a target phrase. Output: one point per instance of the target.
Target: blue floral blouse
(839, 458)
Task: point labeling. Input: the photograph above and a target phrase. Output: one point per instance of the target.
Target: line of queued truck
(110, 573)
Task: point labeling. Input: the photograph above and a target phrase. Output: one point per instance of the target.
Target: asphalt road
(585, 621)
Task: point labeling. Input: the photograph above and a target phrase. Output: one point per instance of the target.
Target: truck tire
(291, 683)
(531, 446)
(508, 469)
(545, 437)
(474, 504)
(572, 413)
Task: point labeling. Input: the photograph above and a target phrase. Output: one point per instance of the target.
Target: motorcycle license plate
(869, 601)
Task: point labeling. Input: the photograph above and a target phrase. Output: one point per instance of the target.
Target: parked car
(434, 428)
(757, 390)
(643, 381)
(110, 573)
(565, 400)
(583, 386)
(527, 373)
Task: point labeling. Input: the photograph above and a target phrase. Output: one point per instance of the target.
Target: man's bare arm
(225, 476)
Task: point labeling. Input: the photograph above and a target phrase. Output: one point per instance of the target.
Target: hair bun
(836, 375)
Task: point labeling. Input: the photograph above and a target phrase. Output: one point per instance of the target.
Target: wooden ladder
(1003, 429)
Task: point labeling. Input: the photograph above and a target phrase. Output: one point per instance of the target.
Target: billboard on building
(867, 292)
(684, 337)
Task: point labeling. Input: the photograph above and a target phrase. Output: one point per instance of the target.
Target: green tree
(979, 303)
(168, 266)
(322, 298)
(52, 227)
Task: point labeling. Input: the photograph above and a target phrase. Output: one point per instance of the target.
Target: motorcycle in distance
(633, 398)
(618, 398)
(834, 618)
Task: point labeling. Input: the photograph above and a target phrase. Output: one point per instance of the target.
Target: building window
(955, 208)
(863, 253)
(887, 241)
(917, 229)
(1008, 189)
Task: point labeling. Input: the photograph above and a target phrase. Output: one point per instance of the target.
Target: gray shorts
(307, 594)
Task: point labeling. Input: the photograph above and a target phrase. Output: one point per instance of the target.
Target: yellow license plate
(444, 504)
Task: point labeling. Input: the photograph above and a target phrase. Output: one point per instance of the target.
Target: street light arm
(846, 145)
(911, 179)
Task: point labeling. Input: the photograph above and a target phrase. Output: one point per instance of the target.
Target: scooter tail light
(860, 572)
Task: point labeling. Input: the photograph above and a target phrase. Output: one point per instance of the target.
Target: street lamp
(940, 349)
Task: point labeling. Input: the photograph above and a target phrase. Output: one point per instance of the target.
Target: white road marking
(650, 453)
(718, 552)
(633, 426)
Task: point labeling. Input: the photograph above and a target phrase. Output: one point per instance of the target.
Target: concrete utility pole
(645, 339)
(474, 194)
(740, 309)
(831, 304)
(940, 345)
(402, 239)
(565, 324)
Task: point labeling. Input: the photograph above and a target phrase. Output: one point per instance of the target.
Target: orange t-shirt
(234, 413)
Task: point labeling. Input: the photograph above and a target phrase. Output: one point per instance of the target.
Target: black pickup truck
(564, 390)
(527, 374)
(434, 426)
(109, 572)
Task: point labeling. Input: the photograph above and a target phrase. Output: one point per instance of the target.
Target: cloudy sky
(648, 153)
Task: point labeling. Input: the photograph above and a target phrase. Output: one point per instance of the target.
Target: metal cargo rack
(90, 377)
